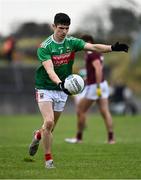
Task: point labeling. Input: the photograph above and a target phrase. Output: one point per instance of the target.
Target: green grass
(94, 159)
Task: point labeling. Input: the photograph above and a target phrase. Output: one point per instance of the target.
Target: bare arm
(48, 65)
(106, 48)
(98, 47)
(98, 69)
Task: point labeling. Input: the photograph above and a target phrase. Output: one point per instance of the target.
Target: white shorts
(89, 92)
(58, 98)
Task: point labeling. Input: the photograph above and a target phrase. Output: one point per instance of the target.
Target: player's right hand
(61, 85)
(98, 90)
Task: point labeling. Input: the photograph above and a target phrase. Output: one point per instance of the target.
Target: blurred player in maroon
(96, 90)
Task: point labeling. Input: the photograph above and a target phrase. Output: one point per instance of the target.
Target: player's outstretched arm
(106, 48)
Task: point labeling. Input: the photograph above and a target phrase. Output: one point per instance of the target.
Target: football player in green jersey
(56, 55)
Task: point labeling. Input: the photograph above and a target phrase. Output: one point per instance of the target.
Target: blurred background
(26, 23)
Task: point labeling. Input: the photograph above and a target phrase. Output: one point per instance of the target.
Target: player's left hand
(119, 47)
(98, 91)
(61, 85)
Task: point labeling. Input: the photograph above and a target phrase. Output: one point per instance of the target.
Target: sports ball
(74, 84)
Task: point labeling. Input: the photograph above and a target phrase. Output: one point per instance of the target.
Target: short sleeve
(43, 54)
(78, 44)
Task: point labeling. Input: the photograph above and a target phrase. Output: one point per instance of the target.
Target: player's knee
(103, 111)
(80, 112)
(48, 125)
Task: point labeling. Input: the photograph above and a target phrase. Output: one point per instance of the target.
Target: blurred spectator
(8, 48)
(122, 100)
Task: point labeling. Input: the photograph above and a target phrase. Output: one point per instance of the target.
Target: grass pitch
(93, 159)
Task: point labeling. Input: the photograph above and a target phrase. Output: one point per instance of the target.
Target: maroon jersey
(90, 57)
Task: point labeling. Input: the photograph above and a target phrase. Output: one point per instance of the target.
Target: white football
(74, 84)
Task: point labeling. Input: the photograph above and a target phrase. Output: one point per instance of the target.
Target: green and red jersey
(62, 55)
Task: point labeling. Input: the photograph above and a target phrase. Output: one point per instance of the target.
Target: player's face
(60, 31)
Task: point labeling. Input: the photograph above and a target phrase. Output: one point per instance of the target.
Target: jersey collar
(56, 41)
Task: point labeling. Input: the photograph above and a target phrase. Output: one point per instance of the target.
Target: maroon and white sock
(110, 136)
(79, 136)
(38, 135)
(48, 157)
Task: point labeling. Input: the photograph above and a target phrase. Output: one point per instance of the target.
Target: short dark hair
(62, 18)
(87, 38)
